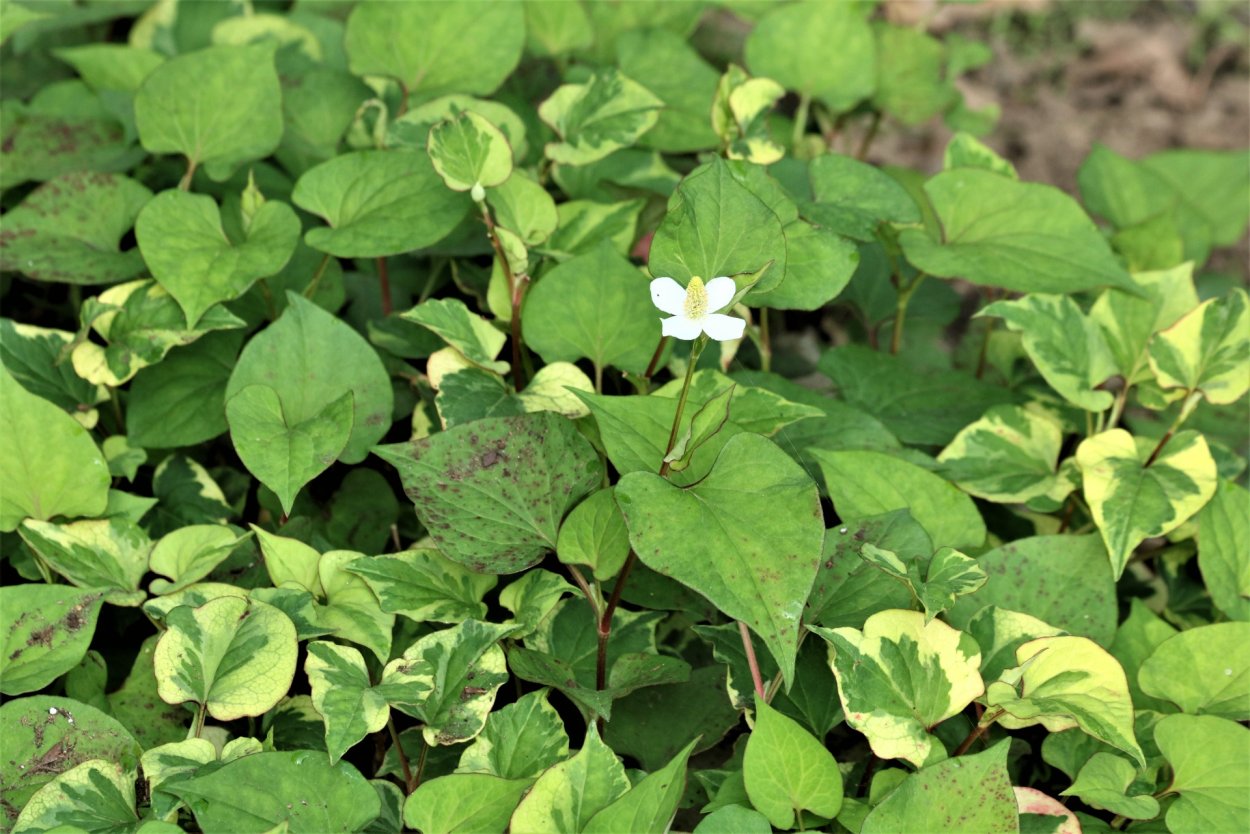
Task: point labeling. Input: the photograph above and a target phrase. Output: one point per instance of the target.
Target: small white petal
(720, 291)
(680, 327)
(668, 295)
(723, 328)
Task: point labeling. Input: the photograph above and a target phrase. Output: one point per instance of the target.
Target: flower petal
(723, 328)
(668, 295)
(680, 327)
(720, 291)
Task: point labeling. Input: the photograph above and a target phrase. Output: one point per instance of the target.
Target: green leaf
(45, 736)
(219, 107)
(1067, 682)
(1133, 496)
(900, 676)
(1208, 756)
(1104, 782)
(524, 207)
(189, 554)
(788, 771)
(1019, 236)
(351, 609)
(569, 794)
(677, 74)
(181, 400)
(378, 203)
(608, 112)
(69, 230)
(716, 226)
(285, 456)
(195, 261)
(472, 335)
(1136, 640)
(341, 691)
(470, 153)
(427, 47)
(734, 819)
(1065, 345)
(1224, 552)
(854, 198)
(111, 66)
(461, 668)
(848, 590)
(95, 796)
(64, 129)
(312, 359)
(923, 407)
(463, 803)
(1128, 321)
(1057, 579)
(863, 483)
(649, 806)
(1212, 184)
(236, 658)
(747, 537)
(49, 464)
(966, 151)
(1010, 456)
(594, 534)
(32, 356)
(140, 322)
(999, 632)
(545, 670)
(817, 49)
(1207, 350)
(519, 741)
(423, 585)
(1202, 670)
(595, 306)
(583, 224)
(138, 707)
(911, 74)
(250, 795)
(949, 574)
(653, 723)
(109, 555)
(970, 794)
(412, 129)
(492, 493)
(46, 629)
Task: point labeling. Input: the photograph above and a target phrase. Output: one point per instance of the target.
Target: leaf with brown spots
(492, 493)
(46, 631)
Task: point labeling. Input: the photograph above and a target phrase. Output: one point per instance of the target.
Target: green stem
(766, 346)
(198, 727)
(311, 289)
(1117, 409)
(695, 350)
(185, 183)
(598, 378)
(800, 122)
(605, 618)
(516, 292)
(900, 317)
(1191, 402)
(871, 134)
(399, 751)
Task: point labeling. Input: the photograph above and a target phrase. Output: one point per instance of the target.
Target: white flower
(693, 309)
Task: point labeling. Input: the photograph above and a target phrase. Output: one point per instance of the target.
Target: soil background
(1139, 76)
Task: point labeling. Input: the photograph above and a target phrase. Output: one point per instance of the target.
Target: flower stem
(605, 618)
(695, 350)
(752, 662)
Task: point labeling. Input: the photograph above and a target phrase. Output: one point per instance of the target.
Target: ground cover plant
(539, 417)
